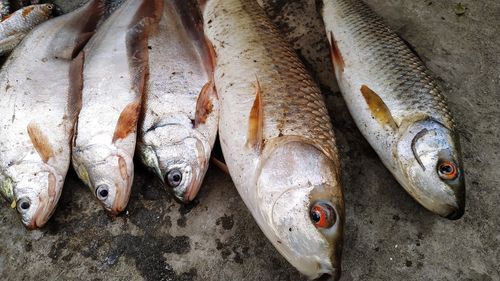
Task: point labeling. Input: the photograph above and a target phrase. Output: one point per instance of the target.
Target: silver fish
(4, 9)
(14, 27)
(277, 137)
(181, 107)
(38, 106)
(397, 105)
(115, 70)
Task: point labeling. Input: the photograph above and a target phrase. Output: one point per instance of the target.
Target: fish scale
(398, 68)
(278, 98)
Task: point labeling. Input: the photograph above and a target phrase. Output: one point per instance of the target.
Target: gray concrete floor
(388, 235)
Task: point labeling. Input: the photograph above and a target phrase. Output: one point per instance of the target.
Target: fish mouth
(333, 275)
(456, 213)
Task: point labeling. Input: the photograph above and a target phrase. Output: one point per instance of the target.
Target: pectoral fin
(378, 108)
(204, 104)
(337, 59)
(256, 121)
(40, 142)
(127, 122)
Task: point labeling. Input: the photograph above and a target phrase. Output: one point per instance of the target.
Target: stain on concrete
(226, 222)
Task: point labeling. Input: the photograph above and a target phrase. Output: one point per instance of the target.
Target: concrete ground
(388, 236)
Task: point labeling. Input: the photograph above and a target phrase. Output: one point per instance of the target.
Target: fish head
(430, 162)
(45, 9)
(108, 172)
(302, 209)
(36, 193)
(179, 156)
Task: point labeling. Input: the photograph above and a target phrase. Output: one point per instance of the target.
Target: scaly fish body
(114, 74)
(176, 136)
(38, 112)
(397, 105)
(21, 22)
(277, 137)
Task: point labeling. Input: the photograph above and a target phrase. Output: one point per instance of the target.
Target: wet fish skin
(171, 142)
(114, 74)
(39, 111)
(277, 138)
(397, 105)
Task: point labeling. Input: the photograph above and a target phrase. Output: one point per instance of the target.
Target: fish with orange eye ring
(323, 215)
(447, 170)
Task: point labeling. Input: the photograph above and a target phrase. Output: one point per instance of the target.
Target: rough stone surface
(388, 235)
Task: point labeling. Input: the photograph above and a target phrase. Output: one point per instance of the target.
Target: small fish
(39, 111)
(114, 79)
(14, 27)
(277, 137)
(4, 8)
(181, 107)
(397, 105)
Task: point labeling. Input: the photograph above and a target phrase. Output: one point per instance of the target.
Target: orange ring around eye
(326, 215)
(447, 170)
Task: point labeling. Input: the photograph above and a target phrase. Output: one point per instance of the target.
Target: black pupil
(25, 205)
(315, 216)
(446, 169)
(176, 178)
(103, 193)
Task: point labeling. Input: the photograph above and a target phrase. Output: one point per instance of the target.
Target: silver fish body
(115, 69)
(397, 105)
(176, 139)
(14, 27)
(38, 111)
(277, 138)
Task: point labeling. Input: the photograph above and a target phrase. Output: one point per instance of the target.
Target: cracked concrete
(388, 235)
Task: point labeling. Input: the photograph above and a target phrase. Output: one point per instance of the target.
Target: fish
(277, 137)
(114, 78)
(397, 105)
(39, 110)
(180, 117)
(15, 26)
(4, 8)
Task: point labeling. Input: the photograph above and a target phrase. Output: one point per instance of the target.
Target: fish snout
(333, 275)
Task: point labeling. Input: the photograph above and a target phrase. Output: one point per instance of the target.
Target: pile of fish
(160, 78)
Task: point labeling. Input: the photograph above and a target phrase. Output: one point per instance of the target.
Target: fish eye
(23, 204)
(174, 178)
(102, 192)
(323, 215)
(447, 170)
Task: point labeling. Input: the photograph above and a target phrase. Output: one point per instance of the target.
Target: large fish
(397, 105)
(39, 103)
(14, 27)
(277, 137)
(181, 108)
(114, 78)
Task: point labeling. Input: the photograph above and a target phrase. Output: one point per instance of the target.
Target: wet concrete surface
(388, 235)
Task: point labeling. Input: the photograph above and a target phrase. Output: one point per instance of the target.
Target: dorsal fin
(79, 26)
(337, 59)
(378, 108)
(190, 13)
(204, 104)
(127, 122)
(40, 142)
(255, 133)
(76, 85)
